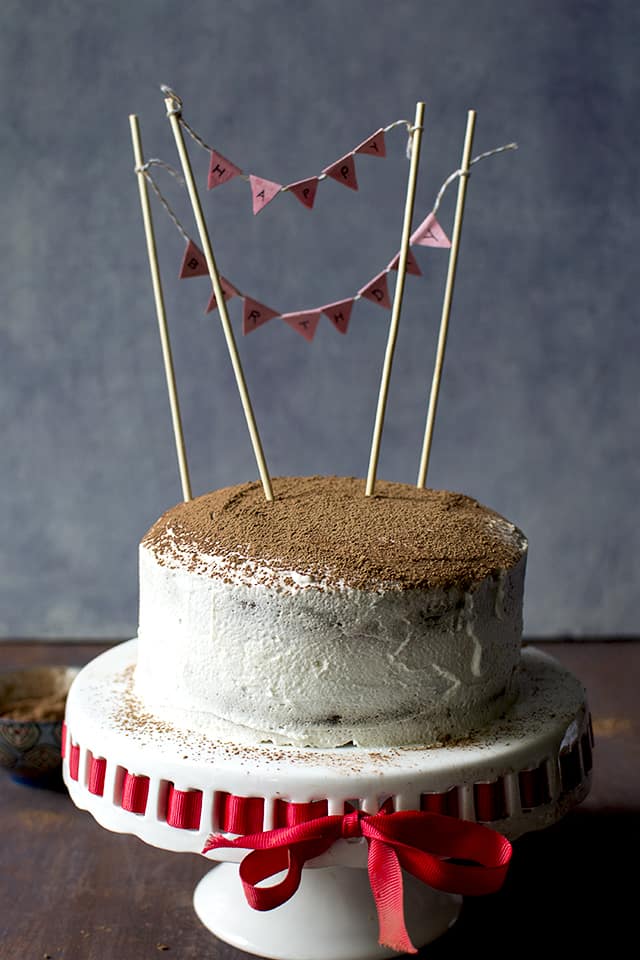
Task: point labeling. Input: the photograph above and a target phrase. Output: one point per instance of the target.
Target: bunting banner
(430, 234)
(193, 262)
(221, 170)
(263, 191)
(412, 265)
(228, 291)
(377, 291)
(374, 145)
(339, 313)
(305, 190)
(254, 314)
(305, 322)
(344, 171)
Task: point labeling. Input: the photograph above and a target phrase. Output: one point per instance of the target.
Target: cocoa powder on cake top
(326, 528)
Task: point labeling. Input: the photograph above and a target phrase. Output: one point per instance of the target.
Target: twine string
(176, 101)
(155, 162)
(466, 173)
(411, 129)
(176, 109)
(441, 192)
(490, 153)
(144, 170)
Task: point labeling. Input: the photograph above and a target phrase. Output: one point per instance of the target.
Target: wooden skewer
(160, 310)
(174, 120)
(448, 298)
(416, 139)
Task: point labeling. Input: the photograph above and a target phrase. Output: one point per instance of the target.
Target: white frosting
(292, 660)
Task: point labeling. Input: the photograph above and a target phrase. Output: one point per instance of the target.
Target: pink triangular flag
(339, 313)
(430, 234)
(412, 264)
(254, 314)
(344, 171)
(221, 170)
(305, 190)
(377, 290)
(262, 192)
(228, 291)
(193, 262)
(305, 322)
(373, 145)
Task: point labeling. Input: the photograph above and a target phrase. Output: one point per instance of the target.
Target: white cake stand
(136, 774)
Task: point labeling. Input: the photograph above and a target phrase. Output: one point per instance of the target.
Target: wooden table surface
(70, 889)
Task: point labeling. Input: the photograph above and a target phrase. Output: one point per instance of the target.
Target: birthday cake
(325, 617)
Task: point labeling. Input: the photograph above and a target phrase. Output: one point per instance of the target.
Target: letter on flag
(339, 313)
(228, 291)
(344, 171)
(254, 314)
(373, 145)
(305, 322)
(412, 264)
(262, 192)
(430, 234)
(221, 170)
(304, 190)
(377, 290)
(193, 262)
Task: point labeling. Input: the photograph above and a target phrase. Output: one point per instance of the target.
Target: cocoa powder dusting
(326, 528)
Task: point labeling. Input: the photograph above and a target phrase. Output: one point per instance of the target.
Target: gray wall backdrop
(539, 408)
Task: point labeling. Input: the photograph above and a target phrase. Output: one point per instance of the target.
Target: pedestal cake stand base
(331, 917)
(172, 787)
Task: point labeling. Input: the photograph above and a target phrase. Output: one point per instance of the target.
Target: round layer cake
(326, 617)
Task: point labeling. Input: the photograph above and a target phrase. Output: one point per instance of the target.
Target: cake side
(320, 643)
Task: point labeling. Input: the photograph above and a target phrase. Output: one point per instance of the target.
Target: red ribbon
(424, 844)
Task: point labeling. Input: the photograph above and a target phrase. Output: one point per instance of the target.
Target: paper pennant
(305, 190)
(430, 234)
(193, 262)
(228, 291)
(373, 145)
(221, 170)
(344, 171)
(254, 314)
(262, 192)
(377, 290)
(305, 322)
(412, 264)
(339, 313)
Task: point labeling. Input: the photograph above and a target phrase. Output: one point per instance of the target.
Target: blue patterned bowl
(31, 714)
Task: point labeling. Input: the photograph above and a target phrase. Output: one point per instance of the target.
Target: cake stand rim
(235, 774)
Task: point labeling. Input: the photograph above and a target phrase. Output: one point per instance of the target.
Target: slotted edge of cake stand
(548, 732)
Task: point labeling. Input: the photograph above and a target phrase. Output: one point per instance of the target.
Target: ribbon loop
(425, 844)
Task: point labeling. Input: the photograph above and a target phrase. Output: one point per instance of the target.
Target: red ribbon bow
(425, 844)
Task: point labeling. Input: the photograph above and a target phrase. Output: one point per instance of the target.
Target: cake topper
(201, 262)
